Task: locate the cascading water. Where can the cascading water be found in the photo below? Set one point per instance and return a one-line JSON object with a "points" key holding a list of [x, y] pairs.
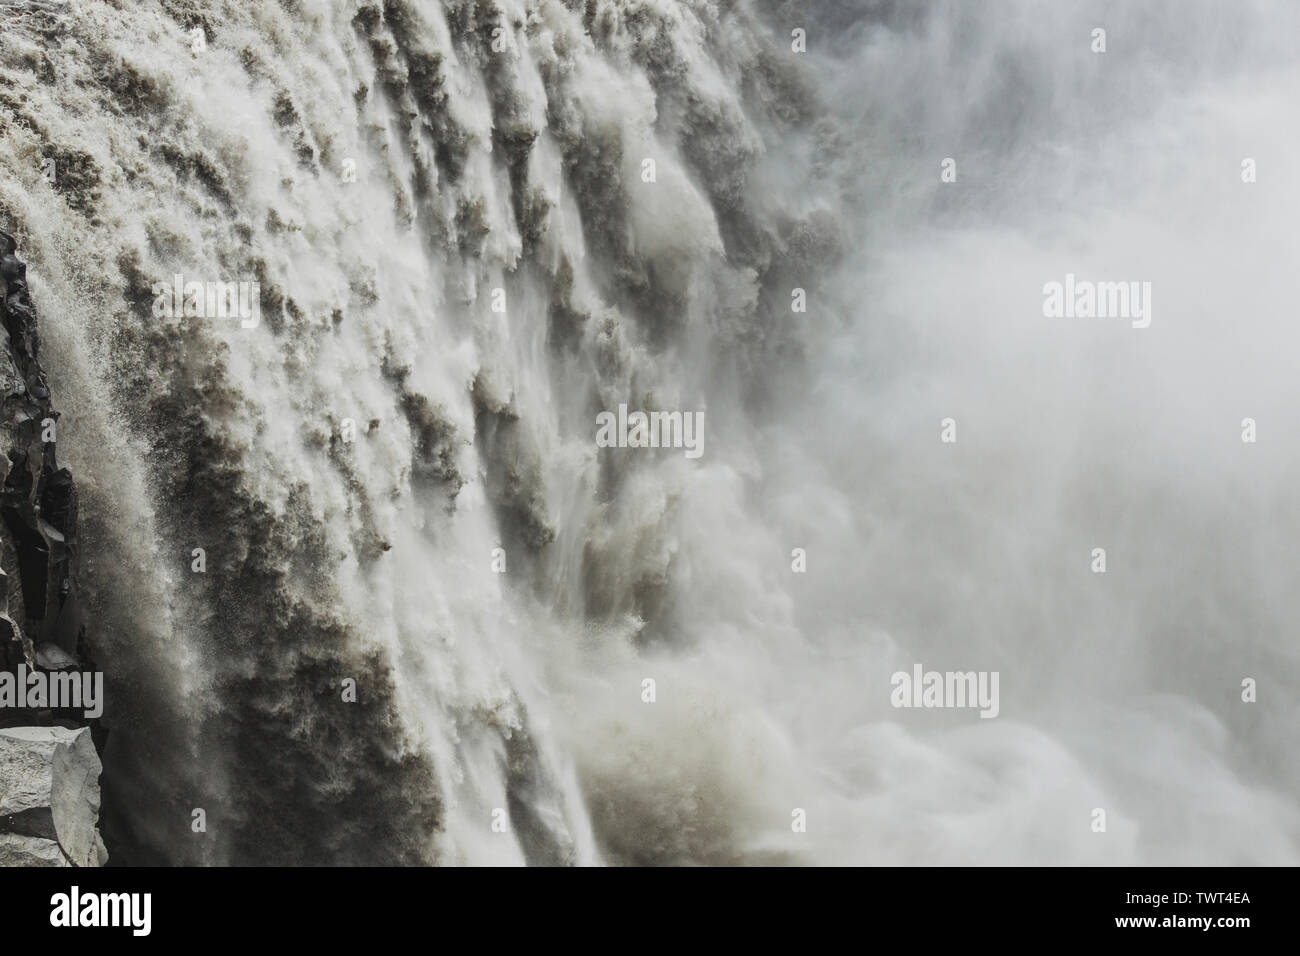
{"points": [[366, 589]]}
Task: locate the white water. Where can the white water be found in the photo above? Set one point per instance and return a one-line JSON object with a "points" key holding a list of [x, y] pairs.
{"points": [[523, 690]]}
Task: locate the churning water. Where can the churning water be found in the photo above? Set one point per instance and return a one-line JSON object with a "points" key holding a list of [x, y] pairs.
{"points": [[474, 226]]}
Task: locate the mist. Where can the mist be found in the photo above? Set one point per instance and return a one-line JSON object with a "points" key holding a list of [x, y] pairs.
{"points": [[570, 651]]}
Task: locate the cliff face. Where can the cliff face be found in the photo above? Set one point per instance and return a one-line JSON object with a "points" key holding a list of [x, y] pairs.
{"points": [[48, 772]]}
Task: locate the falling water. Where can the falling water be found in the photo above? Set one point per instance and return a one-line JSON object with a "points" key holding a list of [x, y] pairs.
{"points": [[477, 224]]}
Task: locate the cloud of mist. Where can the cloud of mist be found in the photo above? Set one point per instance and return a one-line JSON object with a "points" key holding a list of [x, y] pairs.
{"points": [[1120, 691]]}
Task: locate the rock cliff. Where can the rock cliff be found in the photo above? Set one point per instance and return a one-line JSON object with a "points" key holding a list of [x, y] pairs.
{"points": [[49, 769]]}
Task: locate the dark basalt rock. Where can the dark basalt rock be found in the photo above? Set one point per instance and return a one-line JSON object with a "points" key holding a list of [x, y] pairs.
{"points": [[40, 617]]}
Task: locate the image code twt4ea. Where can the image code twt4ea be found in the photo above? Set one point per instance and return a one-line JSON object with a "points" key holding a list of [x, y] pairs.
{"points": [[647, 433]]}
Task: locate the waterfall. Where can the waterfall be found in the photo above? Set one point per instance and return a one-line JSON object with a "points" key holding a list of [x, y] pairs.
{"points": [[333, 294]]}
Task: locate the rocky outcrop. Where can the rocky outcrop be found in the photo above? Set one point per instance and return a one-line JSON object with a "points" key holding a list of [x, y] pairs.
{"points": [[49, 775], [49, 798], [38, 500]]}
